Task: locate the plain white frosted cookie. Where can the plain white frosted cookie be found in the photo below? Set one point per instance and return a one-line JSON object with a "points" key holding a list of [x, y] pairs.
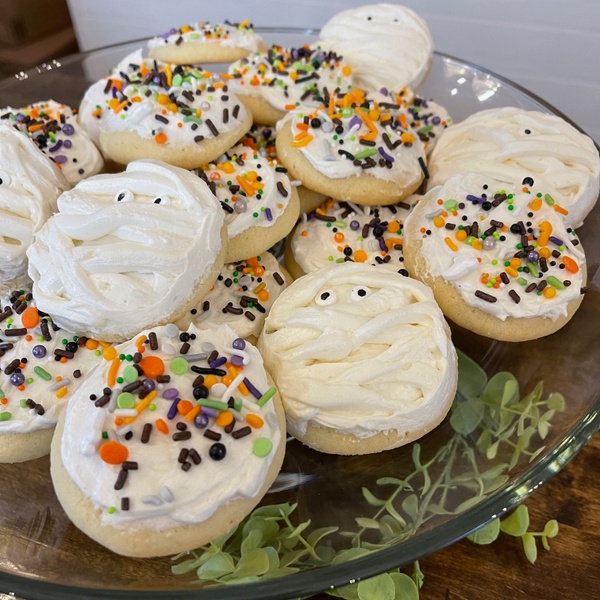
{"points": [[510, 144], [362, 359], [29, 185], [387, 45], [171, 447], [54, 128], [128, 250]]}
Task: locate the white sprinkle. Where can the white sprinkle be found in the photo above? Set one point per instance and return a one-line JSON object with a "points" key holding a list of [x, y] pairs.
{"points": [[154, 500], [218, 389], [166, 494], [125, 412], [58, 385], [168, 349], [124, 430], [171, 330], [295, 183], [201, 355]]}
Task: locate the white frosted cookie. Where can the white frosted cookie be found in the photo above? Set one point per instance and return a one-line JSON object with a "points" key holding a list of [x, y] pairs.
{"points": [[387, 45], [509, 144], [171, 447], [29, 186], [54, 128], [205, 42], [259, 203], [149, 109], [241, 296], [352, 150], [339, 232], [41, 366], [279, 79], [362, 359], [500, 260], [128, 250]]}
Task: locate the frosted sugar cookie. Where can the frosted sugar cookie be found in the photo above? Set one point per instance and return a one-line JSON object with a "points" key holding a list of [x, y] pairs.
{"points": [[149, 109], [173, 445], [54, 128], [352, 150], [339, 232], [241, 296], [206, 42], [29, 186], [128, 250], [271, 83], [500, 260], [362, 358], [387, 45], [509, 144], [259, 202], [41, 366]]}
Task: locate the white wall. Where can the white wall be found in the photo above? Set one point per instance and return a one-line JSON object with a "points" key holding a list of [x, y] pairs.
{"points": [[551, 47]]}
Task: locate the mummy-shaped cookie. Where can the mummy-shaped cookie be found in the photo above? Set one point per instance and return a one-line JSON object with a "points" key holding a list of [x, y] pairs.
{"points": [[352, 150], [171, 447], [509, 144], [271, 83], [29, 186], [260, 204], [128, 250], [499, 258], [387, 45], [339, 232], [149, 109], [362, 359], [205, 42], [54, 128], [41, 366]]}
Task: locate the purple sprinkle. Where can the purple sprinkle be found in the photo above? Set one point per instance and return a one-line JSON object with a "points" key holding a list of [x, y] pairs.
{"points": [[113, 90], [269, 214], [354, 225], [556, 240], [81, 171], [237, 361], [210, 412], [68, 144], [201, 420], [173, 410], [383, 91], [215, 364], [149, 384], [472, 198], [155, 80], [424, 103], [353, 121], [170, 394], [56, 146], [239, 344], [68, 129], [17, 379], [20, 117], [385, 155], [252, 389], [295, 54], [39, 351], [60, 159], [382, 245], [436, 120]]}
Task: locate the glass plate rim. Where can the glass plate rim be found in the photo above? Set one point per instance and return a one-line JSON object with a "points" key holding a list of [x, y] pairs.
{"points": [[332, 576]]}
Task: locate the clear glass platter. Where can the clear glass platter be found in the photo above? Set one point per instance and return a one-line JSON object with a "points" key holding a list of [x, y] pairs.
{"points": [[468, 478]]}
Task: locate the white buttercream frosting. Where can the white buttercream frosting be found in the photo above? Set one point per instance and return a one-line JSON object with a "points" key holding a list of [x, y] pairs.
{"points": [[53, 126], [387, 45], [250, 286], [160, 492], [366, 234], [126, 249], [486, 263], [29, 186], [510, 144], [360, 350], [41, 379]]}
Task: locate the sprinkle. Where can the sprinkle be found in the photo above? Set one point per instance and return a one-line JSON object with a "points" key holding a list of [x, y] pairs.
{"points": [[555, 283], [486, 297], [515, 297], [262, 400], [262, 447], [42, 373]]}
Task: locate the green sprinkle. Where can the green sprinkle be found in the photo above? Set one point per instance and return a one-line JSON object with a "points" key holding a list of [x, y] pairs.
{"points": [[177, 80], [5, 416], [450, 205], [330, 258], [340, 224], [105, 435], [364, 153], [179, 366], [522, 281], [152, 407], [64, 342], [216, 404], [23, 403], [98, 352], [192, 118], [194, 36], [237, 404], [42, 373], [111, 510], [549, 199], [121, 357], [120, 380], [510, 207], [262, 447], [125, 400], [532, 269], [266, 396], [30, 380], [130, 374], [2, 395], [555, 283], [129, 357], [425, 129]]}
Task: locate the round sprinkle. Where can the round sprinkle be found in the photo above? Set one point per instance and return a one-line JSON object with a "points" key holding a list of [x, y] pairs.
{"points": [[262, 447], [217, 451], [130, 374], [125, 400], [178, 366]]}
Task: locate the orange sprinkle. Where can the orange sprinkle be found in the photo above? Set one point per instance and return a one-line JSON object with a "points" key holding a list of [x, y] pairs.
{"points": [[560, 209], [141, 340], [172, 107], [545, 252], [360, 256], [512, 272], [35, 127], [339, 237], [28, 338], [515, 263], [302, 142], [346, 70], [30, 317], [439, 222], [160, 138], [549, 292], [63, 360], [223, 419], [393, 226], [243, 389], [290, 106], [570, 264], [111, 378], [62, 392], [104, 344], [184, 407], [4, 401], [113, 453], [254, 421], [250, 191], [407, 138], [263, 295], [163, 99], [118, 421], [193, 413], [210, 380], [153, 366], [477, 245], [109, 353], [451, 244], [535, 204], [161, 426], [21, 387]]}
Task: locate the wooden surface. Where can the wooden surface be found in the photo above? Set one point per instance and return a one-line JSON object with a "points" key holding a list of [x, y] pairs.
{"points": [[570, 571]]}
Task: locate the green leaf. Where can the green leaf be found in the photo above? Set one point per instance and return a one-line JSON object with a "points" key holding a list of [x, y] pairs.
{"points": [[251, 541], [391, 481], [467, 504], [551, 528], [556, 401], [487, 534], [418, 577], [471, 377], [501, 390], [296, 532], [517, 523], [466, 416], [391, 510], [410, 505], [404, 587], [350, 554], [348, 592], [367, 523], [530, 547], [268, 528], [380, 587], [217, 566], [492, 451], [389, 526], [292, 557], [273, 558], [274, 510], [371, 499], [318, 534], [255, 562]]}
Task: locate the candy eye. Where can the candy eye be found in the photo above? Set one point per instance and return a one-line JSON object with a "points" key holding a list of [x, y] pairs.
{"points": [[359, 293], [163, 200], [526, 132], [124, 196], [4, 178], [326, 298]]}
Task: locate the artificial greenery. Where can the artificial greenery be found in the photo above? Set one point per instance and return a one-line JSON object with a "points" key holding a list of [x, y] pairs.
{"points": [[490, 420]]}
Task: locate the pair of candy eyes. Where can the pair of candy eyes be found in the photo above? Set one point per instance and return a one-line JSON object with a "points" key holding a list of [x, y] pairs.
{"points": [[329, 296], [127, 196]]}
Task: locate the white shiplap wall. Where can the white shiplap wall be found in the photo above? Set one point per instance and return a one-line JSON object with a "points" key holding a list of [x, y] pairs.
{"points": [[551, 47]]}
